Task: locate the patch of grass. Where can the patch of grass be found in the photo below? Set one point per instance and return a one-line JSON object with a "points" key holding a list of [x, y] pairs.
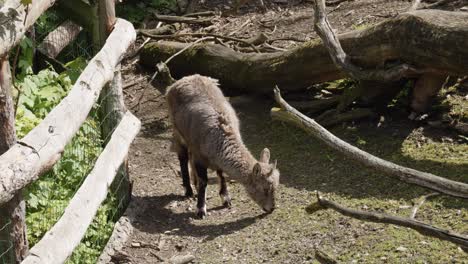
{"points": [[360, 26], [307, 164]]}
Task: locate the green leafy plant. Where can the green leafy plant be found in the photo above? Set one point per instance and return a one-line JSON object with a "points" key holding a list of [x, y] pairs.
{"points": [[48, 197]]}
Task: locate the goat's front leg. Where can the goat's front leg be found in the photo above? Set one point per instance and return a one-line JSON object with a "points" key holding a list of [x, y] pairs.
{"points": [[223, 191], [202, 174]]}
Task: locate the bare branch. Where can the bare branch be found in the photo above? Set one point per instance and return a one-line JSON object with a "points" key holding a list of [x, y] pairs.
{"points": [[415, 5], [420, 203], [343, 61], [421, 227], [289, 114]]}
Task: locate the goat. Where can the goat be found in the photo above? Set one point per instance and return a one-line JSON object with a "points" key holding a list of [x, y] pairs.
{"points": [[206, 134]]}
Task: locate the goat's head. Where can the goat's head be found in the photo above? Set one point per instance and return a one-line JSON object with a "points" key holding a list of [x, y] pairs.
{"points": [[263, 182]]}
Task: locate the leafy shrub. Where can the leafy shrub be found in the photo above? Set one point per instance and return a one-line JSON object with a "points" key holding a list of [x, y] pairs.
{"points": [[48, 197]]}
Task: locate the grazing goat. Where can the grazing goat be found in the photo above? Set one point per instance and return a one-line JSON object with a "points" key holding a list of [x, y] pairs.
{"points": [[206, 134]]}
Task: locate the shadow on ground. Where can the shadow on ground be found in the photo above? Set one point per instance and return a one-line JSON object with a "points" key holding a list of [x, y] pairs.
{"points": [[166, 221]]}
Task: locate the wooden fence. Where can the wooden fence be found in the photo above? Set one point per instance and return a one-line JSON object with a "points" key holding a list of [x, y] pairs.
{"points": [[27, 159]]}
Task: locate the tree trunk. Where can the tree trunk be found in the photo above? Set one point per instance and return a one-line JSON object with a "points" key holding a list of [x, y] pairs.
{"points": [[432, 40], [12, 214]]}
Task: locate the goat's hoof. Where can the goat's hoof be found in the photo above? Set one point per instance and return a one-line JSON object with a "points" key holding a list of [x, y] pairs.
{"points": [[189, 194], [201, 212], [227, 202]]}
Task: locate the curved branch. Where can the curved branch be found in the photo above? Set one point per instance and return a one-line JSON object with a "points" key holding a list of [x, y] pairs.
{"points": [[421, 227], [424, 179], [343, 61]]}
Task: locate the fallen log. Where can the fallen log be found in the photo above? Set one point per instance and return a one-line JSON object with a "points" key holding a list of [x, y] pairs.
{"points": [[425, 39], [58, 39], [424, 179], [419, 226]]}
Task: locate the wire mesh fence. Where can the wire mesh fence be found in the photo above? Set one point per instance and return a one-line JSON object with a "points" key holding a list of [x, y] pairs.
{"points": [[47, 198], [6, 246]]}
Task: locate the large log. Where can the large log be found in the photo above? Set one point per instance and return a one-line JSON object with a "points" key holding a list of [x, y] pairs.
{"points": [[60, 241], [15, 20], [426, 39], [58, 39], [42, 147]]}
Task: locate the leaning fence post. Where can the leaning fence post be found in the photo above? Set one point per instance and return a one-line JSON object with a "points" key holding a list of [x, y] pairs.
{"points": [[12, 214]]}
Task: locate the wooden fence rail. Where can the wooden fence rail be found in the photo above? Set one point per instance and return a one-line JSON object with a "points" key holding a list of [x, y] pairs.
{"points": [[60, 241], [39, 150]]}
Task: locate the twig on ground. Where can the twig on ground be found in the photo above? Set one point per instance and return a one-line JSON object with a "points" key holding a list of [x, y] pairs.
{"points": [[273, 47], [420, 202], [415, 5], [323, 257], [132, 83], [336, 2], [138, 50], [178, 53], [183, 19], [334, 9], [423, 228], [200, 14], [270, 41], [138, 103], [436, 4], [176, 36], [240, 28]]}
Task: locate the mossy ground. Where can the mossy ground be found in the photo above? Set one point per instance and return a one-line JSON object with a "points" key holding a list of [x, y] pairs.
{"points": [[291, 235]]}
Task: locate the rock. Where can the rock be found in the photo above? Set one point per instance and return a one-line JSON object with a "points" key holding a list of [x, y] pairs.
{"points": [[136, 244], [182, 259], [401, 249], [465, 9]]}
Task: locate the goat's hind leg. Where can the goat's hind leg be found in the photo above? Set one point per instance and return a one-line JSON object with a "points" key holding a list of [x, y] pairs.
{"points": [[202, 174], [182, 154], [223, 191], [193, 171]]}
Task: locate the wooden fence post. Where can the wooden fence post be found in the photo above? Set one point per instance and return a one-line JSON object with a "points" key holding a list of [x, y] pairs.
{"points": [[112, 99], [112, 102], [13, 213]]}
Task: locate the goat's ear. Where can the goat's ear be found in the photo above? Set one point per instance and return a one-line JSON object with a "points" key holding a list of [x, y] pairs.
{"points": [[274, 164], [257, 170], [265, 155]]}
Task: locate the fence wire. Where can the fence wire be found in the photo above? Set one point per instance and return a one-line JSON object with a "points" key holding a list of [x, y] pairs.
{"points": [[47, 198]]}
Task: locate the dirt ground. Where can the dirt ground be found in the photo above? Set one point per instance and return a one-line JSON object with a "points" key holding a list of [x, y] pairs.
{"points": [[165, 224]]}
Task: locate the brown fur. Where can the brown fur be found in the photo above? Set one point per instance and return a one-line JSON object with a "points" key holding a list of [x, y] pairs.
{"points": [[206, 124]]}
